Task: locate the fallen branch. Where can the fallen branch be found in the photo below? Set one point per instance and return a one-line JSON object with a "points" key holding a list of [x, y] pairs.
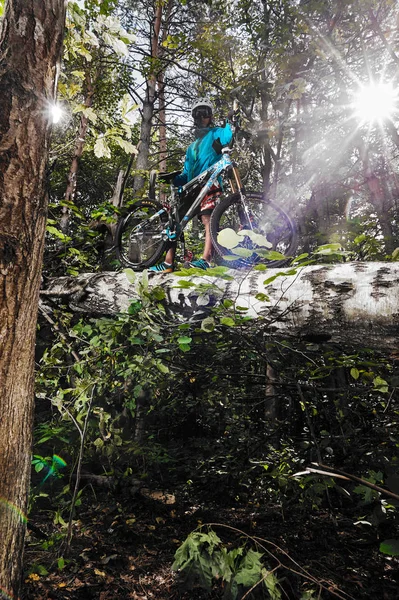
{"points": [[338, 474]]}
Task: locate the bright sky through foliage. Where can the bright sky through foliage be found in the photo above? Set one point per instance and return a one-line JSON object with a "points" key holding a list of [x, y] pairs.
{"points": [[376, 102]]}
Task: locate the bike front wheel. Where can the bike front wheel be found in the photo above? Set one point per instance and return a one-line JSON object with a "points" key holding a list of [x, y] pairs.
{"points": [[252, 231], [139, 237]]}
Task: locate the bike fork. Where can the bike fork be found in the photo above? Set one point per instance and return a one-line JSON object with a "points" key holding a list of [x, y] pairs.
{"points": [[244, 213], [236, 183]]}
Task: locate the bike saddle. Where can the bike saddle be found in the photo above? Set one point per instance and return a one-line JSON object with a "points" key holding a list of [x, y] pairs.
{"points": [[168, 177]]}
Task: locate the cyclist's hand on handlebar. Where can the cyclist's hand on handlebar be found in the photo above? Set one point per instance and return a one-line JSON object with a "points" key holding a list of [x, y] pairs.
{"points": [[233, 116]]}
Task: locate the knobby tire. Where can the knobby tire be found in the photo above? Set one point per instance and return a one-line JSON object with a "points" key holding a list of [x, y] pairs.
{"points": [[141, 248], [266, 218]]}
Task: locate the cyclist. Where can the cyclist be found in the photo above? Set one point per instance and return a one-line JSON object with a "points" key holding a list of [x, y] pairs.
{"points": [[200, 155]]}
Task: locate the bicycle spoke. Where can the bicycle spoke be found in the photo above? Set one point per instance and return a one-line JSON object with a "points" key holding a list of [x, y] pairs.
{"points": [[258, 231], [139, 237]]}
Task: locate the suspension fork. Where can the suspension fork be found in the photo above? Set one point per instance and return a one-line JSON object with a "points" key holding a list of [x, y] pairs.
{"points": [[236, 186]]}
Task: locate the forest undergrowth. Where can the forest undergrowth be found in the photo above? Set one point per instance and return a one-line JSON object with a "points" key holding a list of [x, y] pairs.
{"points": [[147, 433]]}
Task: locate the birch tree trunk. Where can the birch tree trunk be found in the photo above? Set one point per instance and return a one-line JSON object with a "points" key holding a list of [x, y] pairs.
{"points": [[356, 304], [30, 50]]}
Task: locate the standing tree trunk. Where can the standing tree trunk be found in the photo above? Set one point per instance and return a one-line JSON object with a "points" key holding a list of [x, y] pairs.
{"points": [[79, 147], [148, 104], [30, 50], [379, 199], [163, 142]]}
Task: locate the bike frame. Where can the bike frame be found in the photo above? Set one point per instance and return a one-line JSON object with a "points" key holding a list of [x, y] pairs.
{"points": [[214, 171], [176, 226]]}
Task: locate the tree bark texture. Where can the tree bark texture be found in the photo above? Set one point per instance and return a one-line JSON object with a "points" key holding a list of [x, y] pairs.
{"points": [[30, 49], [148, 104], [355, 304]]}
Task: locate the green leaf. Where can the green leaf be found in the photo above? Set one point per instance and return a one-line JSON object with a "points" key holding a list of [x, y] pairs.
{"points": [[185, 347], [39, 569], [229, 257], [130, 274], [228, 303], [328, 249], [262, 297], [355, 373], [184, 284], [308, 595], [101, 148], [87, 111], [390, 547], [270, 254], [80, 49], [208, 324], [271, 583], [195, 558], [158, 293], [58, 234], [380, 384], [162, 368], [128, 147], [228, 321], [250, 569], [243, 252], [280, 274], [256, 238], [228, 238], [184, 340], [301, 257], [79, 74]]}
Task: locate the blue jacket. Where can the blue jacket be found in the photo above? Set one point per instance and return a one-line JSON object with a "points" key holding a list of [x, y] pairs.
{"points": [[201, 155]]}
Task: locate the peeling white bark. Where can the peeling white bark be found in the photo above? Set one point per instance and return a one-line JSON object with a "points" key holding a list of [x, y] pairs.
{"points": [[352, 303]]}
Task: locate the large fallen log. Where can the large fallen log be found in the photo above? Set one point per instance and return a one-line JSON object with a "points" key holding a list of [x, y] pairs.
{"points": [[350, 303]]}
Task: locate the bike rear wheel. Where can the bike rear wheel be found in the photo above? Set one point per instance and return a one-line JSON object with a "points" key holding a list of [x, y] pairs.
{"points": [[257, 215], [138, 238]]}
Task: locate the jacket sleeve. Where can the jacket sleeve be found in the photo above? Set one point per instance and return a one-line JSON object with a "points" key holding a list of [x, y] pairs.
{"points": [[183, 177], [224, 134]]}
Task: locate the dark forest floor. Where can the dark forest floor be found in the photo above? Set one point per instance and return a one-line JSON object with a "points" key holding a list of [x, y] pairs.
{"points": [[123, 547]]}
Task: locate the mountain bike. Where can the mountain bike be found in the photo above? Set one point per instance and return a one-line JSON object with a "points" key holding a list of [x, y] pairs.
{"points": [[246, 228]]}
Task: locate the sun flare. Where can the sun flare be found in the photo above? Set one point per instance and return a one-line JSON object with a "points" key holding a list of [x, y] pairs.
{"points": [[375, 103], [56, 113]]}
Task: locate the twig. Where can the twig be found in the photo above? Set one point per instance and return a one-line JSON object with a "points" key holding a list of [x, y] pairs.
{"points": [[309, 422], [332, 472], [302, 572], [58, 330], [260, 581], [389, 401], [82, 433]]}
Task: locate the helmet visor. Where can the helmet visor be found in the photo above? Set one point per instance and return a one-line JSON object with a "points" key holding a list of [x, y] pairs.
{"points": [[202, 112]]}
